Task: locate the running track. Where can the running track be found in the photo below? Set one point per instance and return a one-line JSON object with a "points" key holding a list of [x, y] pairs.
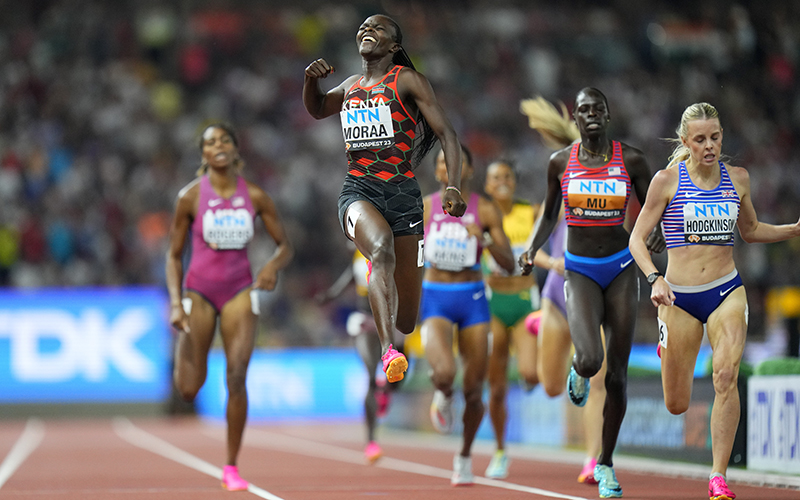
{"points": [[155, 459]]}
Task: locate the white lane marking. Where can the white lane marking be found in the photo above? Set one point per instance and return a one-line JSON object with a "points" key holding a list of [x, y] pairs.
{"points": [[28, 441], [125, 429], [282, 442]]}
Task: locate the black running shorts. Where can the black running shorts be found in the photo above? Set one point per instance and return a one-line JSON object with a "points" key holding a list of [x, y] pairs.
{"points": [[400, 203]]}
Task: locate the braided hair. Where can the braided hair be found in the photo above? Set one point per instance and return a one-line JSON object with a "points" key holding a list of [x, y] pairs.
{"points": [[427, 139]]}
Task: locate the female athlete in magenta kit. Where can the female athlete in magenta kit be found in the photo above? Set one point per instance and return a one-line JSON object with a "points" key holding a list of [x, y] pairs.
{"points": [[390, 120], [219, 208]]}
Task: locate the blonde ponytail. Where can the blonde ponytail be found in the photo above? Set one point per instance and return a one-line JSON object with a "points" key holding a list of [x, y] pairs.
{"points": [[556, 128]]}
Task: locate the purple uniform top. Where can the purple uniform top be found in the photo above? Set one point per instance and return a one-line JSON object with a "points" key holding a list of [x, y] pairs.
{"points": [[219, 267]]}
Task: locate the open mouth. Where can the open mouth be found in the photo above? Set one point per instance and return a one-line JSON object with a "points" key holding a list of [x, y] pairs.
{"points": [[368, 38]]}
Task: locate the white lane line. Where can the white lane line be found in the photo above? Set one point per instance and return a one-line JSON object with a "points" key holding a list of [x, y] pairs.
{"points": [[282, 442], [28, 441], [125, 429]]}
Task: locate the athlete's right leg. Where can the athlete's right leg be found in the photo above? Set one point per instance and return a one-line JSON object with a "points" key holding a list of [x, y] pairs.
{"points": [[473, 346], [437, 333], [238, 330], [585, 310], [369, 350], [374, 238], [408, 279], [554, 349], [498, 379], [191, 349], [684, 336]]}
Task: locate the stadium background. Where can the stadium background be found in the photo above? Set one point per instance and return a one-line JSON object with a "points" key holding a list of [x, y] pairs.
{"points": [[102, 103]]}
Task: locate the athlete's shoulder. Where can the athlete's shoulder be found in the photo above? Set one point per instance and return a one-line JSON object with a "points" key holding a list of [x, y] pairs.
{"points": [[738, 175], [630, 152], [665, 180], [191, 190]]}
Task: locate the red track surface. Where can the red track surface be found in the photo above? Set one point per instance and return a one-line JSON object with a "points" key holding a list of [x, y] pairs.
{"points": [[180, 459]]}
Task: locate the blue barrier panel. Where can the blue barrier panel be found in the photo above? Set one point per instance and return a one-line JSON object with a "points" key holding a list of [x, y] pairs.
{"points": [[84, 345], [289, 384]]}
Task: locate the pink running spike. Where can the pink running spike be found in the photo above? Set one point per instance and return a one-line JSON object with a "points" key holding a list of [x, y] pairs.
{"points": [[394, 364], [532, 322], [718, 489], [372, 452], [231, 480], [587, 474]]}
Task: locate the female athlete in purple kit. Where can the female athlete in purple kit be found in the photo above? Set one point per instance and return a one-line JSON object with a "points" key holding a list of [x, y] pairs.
{"points": [[219, 209]]}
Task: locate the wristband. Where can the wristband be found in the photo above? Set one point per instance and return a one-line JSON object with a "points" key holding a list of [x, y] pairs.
{"points": [[453, 188]]}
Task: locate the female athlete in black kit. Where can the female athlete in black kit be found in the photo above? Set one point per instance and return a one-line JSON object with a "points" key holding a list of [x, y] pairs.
{"points": [[593, 178], [390, 119]]}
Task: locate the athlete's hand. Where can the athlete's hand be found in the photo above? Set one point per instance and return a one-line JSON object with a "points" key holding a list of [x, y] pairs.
{"points": [[453, 203], [267, 278], [319, 69], [661, 294], [526, 262], [178, 318]]}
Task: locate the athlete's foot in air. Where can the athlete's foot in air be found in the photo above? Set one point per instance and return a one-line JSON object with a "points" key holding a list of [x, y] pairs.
{"points": [[394, 364]]}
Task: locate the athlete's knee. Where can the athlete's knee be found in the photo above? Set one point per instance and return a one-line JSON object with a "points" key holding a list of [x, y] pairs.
{"points": [[725, 378], [588, 364], [473, 397], [616, 381], [497, 393], [236, 379], [383, 253], [530, 376], [406, 325], [187, 389], [443, 375], [676, 406], [553, 388]]}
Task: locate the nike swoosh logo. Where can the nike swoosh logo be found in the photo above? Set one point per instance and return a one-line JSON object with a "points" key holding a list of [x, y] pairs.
{"points": [[412, 224], [477, 295], [214, 203], [575, 174], [692, 194], [625, 264], [722, 293]]}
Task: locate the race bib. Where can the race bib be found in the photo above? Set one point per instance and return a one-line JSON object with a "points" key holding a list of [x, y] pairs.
{"points": [[367, 127], [710, 223], [450, 247], [596, 198], [227, 228]]}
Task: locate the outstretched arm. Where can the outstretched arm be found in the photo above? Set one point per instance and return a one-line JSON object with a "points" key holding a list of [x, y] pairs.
{"points": [[751, 229]]}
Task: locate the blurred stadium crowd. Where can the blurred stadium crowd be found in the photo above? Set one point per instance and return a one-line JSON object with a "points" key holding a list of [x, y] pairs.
{"points": [[102, 103]]}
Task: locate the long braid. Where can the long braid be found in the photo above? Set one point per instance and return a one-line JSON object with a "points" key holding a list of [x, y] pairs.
{"points": [[426, 139]]}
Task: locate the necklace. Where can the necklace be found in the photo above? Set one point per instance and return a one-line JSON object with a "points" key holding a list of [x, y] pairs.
{"points": [[604, 155]]}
